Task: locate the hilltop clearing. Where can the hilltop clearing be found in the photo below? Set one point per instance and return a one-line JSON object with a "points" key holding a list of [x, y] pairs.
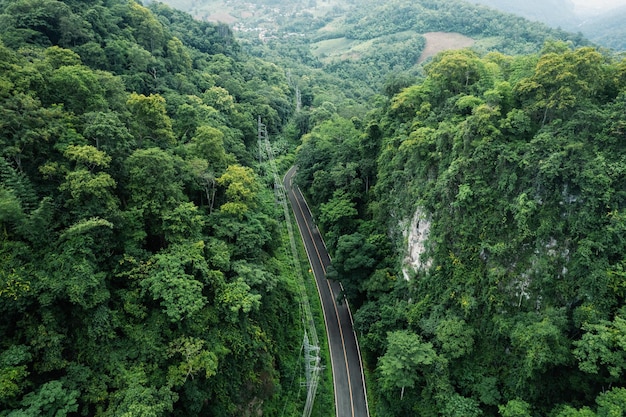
{"points": [[443, 41]]}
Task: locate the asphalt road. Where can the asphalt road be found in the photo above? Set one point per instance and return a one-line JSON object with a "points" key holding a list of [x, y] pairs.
{"points": [[350, 397]]}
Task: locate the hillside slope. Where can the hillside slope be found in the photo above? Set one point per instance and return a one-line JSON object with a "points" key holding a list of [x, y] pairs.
{"points": [[142, 271], [601, 22], [500, 184], [556, 13], [607, 29], [363, 41]]}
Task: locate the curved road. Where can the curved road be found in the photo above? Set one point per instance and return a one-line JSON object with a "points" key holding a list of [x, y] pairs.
{"points": [[350, 397]]}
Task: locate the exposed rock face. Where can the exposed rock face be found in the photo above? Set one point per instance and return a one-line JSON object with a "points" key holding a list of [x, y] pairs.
{"points": [[416, 235]]}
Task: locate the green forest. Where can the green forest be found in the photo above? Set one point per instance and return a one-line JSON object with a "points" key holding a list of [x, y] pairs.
{"points": [[515, 167], [142, 263], [474, 207], [386, 38]]}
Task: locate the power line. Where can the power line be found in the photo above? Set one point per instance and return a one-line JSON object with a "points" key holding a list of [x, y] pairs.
{"points": [[311, 341]]}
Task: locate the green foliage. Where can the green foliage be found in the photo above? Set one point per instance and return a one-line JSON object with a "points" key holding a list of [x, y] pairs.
{"points": [[569, 411], [241, 190], [361, 42], [456, 338], [13, 372], [137, 398], [330, 160], [513, 167], [195, 358], [458, 406], [405, 354], [603, 346], [515, 408], [178, 292], [43, 23], [337, 215], [52, 399], [455, 71], [123, 292], [612, 402], [151, 124], [354, 261], [77, 88], [562, 80], [541, 345], [141, 263], [236, 297]]}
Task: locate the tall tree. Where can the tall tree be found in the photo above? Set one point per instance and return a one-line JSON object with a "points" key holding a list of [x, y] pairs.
{"points": [[399, 366]]}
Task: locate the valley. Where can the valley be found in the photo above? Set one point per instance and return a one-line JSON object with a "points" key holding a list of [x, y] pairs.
{"points": [[465, 167]]}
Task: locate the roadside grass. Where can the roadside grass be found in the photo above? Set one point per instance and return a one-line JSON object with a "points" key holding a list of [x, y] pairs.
{"points": [[324, 405]]}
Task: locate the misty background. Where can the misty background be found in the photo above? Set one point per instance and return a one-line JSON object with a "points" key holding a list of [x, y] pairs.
{"points": [[601, 21]]}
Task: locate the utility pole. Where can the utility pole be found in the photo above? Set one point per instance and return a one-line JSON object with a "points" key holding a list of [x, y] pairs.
{"points": [[298, 99], [312, 369], [262, 138], [295, 86]]}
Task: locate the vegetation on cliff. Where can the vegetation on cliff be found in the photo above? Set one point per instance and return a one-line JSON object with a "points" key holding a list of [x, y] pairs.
{"points": [[517, 165]]}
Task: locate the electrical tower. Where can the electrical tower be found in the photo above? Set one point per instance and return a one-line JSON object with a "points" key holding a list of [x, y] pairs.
{"points": [[311, 342]]}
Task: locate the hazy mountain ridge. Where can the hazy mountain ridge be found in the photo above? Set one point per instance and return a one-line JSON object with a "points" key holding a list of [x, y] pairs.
{"points": [[601, 22], [553, 12], [607, 29]]}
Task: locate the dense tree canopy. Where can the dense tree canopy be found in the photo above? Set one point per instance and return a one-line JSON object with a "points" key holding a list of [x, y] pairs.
{"points": [[142, 266], [126, 197], [516, 167]]}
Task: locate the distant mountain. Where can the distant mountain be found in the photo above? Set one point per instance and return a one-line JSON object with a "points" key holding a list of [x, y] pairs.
{"points": [[556, 13], [606, 29]]}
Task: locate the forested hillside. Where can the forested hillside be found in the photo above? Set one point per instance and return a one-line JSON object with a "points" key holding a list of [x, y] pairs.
{"points": [[556, 13], [357, 44], [141, 266], [599, 21], [387, 37], [607, 29], [474, 208], [476, 222]]}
